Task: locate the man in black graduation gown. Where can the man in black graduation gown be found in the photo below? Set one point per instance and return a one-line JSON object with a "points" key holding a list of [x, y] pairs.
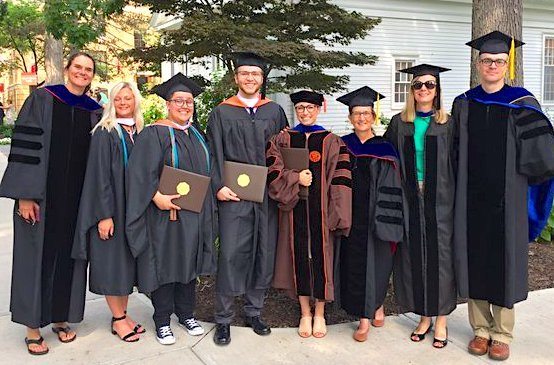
{"points": [[238, 130], [505, 143]]}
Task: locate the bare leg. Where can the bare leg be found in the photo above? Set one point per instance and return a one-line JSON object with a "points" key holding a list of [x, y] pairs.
{"points": [[440, 330], [118, 308], [320, 328], [305, 326]]}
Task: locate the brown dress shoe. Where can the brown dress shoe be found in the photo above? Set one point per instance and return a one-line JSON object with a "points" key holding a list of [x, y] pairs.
{"points": [[499, 350], [478, 346]]}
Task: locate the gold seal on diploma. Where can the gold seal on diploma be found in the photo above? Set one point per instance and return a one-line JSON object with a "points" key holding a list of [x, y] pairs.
{"points": [[183, 188], [243, 180]]}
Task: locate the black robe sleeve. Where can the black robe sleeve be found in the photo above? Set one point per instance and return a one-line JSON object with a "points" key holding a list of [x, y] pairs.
{"points": [[388, 211], [215, 140], [98, 196], [535, 142], [25, 174], [143, 175]]}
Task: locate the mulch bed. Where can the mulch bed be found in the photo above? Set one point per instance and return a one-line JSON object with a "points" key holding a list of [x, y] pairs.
{"points": [[282, 311]]}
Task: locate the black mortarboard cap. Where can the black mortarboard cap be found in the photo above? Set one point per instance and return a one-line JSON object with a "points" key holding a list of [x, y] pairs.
{"points": [[250, 59], [364, 96], [424, 69], [494, 43], [307, 96], [178, 82]]}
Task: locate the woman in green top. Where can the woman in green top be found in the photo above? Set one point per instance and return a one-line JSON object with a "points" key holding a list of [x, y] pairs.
{"points": [[423, 134]]}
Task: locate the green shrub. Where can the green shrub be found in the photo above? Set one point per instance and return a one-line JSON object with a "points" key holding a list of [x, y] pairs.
{"points": [[6, 130], [547, 233], [153, 108]]}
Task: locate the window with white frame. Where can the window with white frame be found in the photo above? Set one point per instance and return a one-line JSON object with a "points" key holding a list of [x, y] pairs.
{"points": [[548, 82], [402, 81]]}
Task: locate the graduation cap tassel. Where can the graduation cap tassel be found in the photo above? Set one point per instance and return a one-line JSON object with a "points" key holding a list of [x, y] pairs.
{"points": [[378, 110], [512, 60]]}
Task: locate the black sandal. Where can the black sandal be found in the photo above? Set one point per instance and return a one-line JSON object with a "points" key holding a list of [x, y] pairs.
{"points": [[421, 336], [137, 326], [66, 329], [444, 342], [128, 335], [39, 341]]}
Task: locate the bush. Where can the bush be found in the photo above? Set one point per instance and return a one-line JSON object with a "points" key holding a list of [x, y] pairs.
{"points": [[218, 89], [547, 233], [6, 130], [153, 108]]}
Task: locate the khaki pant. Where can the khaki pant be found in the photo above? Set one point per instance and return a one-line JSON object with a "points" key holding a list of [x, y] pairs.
{"points": [[498, 325]]}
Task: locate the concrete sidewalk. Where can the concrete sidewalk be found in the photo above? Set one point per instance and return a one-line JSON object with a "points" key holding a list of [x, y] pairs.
{"points": [[534, 342], [534, 332]]}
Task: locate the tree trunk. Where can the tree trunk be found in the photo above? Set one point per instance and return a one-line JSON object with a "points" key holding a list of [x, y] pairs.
{"points": [[503, 15], [53, 60]]}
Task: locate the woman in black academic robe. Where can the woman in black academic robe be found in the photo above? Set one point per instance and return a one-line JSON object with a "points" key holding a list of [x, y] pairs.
{"points": [[365, 257], [100, 236], [424, 279], [170, 254], [45, 180]]}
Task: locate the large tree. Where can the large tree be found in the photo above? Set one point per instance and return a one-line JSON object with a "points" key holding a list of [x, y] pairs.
{"points": [[21, 31], [75, 23], [303, 38], [503, 15]]}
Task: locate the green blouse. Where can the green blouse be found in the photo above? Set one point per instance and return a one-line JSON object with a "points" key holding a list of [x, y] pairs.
{"points": [[420, 124]]}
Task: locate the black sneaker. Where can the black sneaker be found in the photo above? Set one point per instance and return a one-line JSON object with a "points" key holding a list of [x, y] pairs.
{"points": [[164, 335], [192, 326]]}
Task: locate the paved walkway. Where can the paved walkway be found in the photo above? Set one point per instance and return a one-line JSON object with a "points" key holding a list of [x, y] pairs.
{"points": [[534, 343]]}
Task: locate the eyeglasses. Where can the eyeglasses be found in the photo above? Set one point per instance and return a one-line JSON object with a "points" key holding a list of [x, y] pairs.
{"points": [[488, 62], [365, 114], [255, 74], [182, 102], [430, 85], [301, 108]]}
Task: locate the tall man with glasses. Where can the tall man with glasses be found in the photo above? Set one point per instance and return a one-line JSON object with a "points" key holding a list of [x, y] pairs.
{"points": [[239, 130], [506, 143]]}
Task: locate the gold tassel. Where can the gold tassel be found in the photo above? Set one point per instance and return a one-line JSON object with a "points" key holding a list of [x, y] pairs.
{"points": [[378, 110], [512, 60]]}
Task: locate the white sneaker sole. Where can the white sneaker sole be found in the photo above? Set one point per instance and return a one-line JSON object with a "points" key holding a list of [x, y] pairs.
{"points": [[166, 340]]}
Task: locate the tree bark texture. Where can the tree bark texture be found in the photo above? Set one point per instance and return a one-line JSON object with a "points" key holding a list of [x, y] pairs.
{"points": [[503, 15], [53, 60]]}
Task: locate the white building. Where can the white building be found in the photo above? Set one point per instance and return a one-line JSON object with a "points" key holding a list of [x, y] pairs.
{"points": [[422, 31]]}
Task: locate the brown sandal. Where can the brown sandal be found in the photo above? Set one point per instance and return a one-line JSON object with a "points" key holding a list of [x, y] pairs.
{"points": [[66, 330], [39, 341]]}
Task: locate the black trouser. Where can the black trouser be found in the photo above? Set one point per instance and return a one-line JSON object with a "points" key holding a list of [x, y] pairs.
{"points": [[172, 298]]}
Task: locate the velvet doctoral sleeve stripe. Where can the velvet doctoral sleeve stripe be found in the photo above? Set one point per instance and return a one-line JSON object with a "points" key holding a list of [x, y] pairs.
{"points": [[535, 143], [389, 208], [25, 175]]}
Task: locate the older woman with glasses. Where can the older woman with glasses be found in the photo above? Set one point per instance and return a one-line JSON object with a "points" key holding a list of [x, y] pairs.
{"points": [[424, 136]]}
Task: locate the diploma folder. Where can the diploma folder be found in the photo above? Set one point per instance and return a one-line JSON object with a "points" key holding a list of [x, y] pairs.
{"points": [[245, 180], [192, 187], [296, 159]]}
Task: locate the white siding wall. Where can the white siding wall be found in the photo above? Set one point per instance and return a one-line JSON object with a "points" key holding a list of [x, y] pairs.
{"points": [[428, 31]]}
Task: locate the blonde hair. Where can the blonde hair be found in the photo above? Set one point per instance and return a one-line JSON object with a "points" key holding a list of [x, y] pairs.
{"points": [[109, 117], [409, 112]]}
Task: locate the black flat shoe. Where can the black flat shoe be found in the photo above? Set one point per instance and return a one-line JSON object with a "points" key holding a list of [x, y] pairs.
{"points": [[420, 336], [222, 334], [440, 344], [258, 325]]}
